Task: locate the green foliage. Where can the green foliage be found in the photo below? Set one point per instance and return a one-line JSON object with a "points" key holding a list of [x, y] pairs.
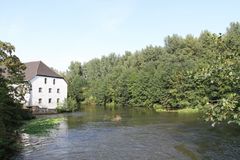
{"points": [[188, 72], [76, 88], [40, 126], [218, 81], [69, 105], [160, 108], [12, 90]]}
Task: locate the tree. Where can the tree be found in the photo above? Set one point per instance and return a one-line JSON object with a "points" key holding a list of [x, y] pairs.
{"points": [[198, 72], [218, 82], [77, 83], [12, 90]]}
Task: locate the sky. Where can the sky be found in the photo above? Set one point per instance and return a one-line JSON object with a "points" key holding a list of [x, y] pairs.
{"points": [[60, 31]]}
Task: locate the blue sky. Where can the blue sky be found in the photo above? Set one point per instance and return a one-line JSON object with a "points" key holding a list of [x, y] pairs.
{"points": [[60, 31]]}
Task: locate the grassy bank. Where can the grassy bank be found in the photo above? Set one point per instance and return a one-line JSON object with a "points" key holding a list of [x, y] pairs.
{"points": [[159, 108], [41, 126]]}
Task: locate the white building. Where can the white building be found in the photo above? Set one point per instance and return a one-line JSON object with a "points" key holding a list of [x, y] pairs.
{"points": [[47, 88]]}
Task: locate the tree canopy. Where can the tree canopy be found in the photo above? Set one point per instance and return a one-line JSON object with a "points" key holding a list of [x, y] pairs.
{"points": [[198, 72], [12, 90]]}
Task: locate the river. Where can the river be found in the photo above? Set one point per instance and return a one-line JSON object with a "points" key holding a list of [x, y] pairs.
{"points": [[141, 134]]}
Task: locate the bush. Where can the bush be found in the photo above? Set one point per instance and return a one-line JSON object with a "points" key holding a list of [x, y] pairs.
{"points": [[69, 105]]}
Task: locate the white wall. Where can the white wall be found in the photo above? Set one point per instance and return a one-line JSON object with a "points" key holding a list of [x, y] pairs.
{"points": [[38, 82]]}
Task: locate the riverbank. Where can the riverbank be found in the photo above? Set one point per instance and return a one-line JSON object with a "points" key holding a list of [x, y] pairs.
{"points": [[182, 110]]}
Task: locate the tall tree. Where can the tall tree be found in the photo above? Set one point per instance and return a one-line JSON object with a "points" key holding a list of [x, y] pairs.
{"points": [[12, 90], [198, 72]]}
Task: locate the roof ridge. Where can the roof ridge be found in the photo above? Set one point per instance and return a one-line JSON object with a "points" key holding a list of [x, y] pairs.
{"points": [[31, 61]]}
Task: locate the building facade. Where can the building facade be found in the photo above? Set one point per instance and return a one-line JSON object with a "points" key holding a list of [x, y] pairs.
{"points": [[47, 88]]}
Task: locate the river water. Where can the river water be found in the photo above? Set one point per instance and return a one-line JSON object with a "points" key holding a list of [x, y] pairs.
{"points": [[141, 134]]}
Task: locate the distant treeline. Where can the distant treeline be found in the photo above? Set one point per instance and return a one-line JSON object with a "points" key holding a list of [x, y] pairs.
{"points": [[198, 72]]}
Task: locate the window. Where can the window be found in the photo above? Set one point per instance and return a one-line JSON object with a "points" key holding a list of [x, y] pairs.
{"points": [[39, 100], [49, 90], [58, 100], [40, 90], [50, 100], [54, 81], [58, 90], [45, 80]]}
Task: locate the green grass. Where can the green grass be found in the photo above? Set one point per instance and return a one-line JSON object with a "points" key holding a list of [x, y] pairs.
{"points": [[41, 126], [188, 110], [159, 108]]}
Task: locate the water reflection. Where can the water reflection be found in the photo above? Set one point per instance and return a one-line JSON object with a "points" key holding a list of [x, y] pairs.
{"points": [[141, 134]]}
